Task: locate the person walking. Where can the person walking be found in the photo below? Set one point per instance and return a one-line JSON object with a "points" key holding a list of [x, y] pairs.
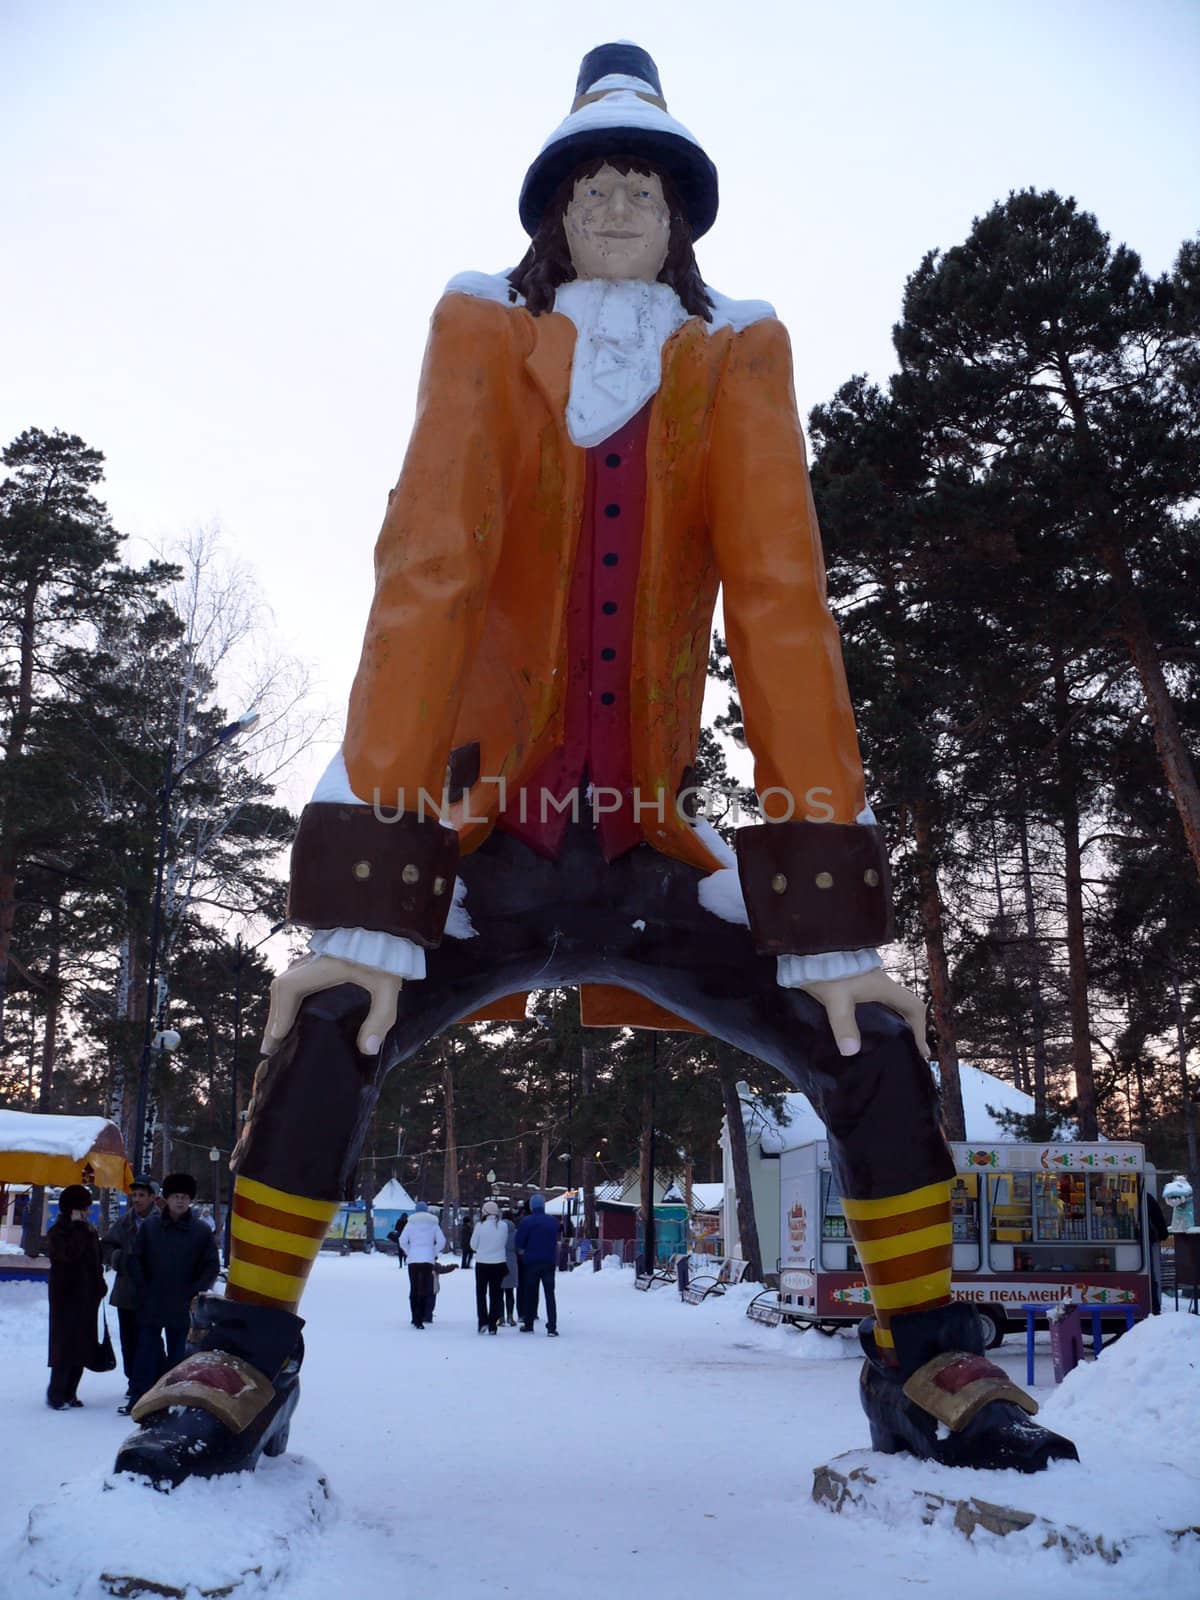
{"points": [[76, 1290], [422, 1242], [512, 1277], [174, 1258], [537, 1249], [465, 1232], [489, 1242], [117, 1249]]}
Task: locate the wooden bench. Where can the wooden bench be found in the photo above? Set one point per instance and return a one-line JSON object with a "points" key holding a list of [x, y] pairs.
{"points": [[728, 1271]]}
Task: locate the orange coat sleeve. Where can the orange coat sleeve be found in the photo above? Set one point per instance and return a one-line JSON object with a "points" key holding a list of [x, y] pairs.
{"points": [[435, 556], [783, 641]]}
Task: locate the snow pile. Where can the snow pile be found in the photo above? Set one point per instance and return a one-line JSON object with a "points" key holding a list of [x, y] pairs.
{"points": [[981, 1090], [33, 1133], [189, 1541], [1150, 1378], [799, 1123]]}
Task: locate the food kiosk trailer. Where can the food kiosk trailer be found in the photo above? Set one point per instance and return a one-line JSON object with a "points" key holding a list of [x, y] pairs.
{"points": [[1033, 1225]]}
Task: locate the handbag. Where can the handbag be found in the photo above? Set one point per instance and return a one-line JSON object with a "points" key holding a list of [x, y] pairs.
{"points": [[103, 1358]]}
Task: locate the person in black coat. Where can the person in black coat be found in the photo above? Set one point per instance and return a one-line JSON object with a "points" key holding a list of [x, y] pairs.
{"points": [[117, 1247], [174, 1258], [76, 1290]]}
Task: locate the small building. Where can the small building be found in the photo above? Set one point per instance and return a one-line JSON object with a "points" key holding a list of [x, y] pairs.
{"points": [[767, 1136]]}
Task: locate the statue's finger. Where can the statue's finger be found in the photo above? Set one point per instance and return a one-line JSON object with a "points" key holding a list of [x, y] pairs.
{"points": [[285, 1003], [839, 1008], [381, 1018]]}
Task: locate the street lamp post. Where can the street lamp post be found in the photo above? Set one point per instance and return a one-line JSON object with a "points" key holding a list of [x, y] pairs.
{"points": [[165, 795]]}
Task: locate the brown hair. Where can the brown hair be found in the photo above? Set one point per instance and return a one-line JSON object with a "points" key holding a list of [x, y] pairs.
{"points": [[547, 262]]}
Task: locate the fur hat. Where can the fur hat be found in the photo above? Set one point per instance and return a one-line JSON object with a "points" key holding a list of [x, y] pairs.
{"points": [[619, 110], [537, 1202], [490, 1209], [179, 1183], [74, 1198]]}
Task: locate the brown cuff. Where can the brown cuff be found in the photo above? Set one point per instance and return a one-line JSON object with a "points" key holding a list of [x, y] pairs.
{"points": [[810, 887], [350, 869], [214, 1380], [955, 1386]]}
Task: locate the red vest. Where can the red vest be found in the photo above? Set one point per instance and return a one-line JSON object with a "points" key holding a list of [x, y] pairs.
{"points": [[596, 735]]}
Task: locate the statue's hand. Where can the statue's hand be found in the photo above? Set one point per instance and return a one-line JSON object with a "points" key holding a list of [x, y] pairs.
{"points": [[315, 973], [839, 996]]}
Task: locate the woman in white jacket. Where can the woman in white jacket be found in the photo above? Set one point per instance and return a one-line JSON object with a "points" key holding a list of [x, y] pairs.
{"points": [[490, 1244], [422, 1242]]}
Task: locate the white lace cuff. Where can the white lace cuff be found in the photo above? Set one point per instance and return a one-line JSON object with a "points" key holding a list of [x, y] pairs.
{"points": [[385, 952], [794, 971]]}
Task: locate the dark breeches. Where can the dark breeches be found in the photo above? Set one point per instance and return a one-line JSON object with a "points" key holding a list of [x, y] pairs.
{"points": [[544, 924]]}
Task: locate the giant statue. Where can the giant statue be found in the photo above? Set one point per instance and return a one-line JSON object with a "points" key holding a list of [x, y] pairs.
{"points": [[601, 442]]}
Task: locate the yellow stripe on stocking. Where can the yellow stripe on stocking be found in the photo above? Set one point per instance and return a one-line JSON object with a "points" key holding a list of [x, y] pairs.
{"points": [[905, 1243], [274, 1239]]}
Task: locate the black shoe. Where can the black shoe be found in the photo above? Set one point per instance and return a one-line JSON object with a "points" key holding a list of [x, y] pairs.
{"points": [[73, 1401], [527, 1327], [483, 1328], [59, 1405], [552, 1333], [492, 1330], [944, 1377], [252, 1353]]}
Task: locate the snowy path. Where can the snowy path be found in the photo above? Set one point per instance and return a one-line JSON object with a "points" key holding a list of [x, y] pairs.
{"points": [[654, 1450]]}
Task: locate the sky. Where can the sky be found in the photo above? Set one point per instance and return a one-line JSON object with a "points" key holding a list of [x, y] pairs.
{"points": [[223, 226]]}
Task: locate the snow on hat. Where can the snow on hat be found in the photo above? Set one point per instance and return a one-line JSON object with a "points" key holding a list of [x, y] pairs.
{"points": [[74, 1198], [619, 110], [420, 1206], [179, 1183], [490, 1209], [537, 1202]]}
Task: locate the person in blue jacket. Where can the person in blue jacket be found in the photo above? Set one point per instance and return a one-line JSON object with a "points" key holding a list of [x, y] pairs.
{"points": [[537, 1251]]}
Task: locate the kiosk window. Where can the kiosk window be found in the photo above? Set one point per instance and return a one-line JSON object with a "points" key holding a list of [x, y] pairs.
{"points": [[964, 1208], [1060, 1209], [1062, 1221], [1114, 1206], [1012, 1209], [833, 1218]]}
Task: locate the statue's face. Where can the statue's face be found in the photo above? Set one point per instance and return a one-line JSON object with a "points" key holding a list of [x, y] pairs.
{"points": [[618, 225]]}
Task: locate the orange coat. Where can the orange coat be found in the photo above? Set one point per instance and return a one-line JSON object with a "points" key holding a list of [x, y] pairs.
{"points": [[466, 639]]}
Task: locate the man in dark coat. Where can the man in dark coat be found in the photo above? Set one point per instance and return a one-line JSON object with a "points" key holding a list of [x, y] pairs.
{"points": [[76, 1290], [174, 1258], [537, 1251], [117, 1246]]}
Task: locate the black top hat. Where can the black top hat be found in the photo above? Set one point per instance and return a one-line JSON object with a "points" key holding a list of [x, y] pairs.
{"points": [[619, 111]]}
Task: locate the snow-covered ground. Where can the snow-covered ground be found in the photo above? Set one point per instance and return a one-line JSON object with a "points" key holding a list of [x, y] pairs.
{"points": [[654, 1449]]}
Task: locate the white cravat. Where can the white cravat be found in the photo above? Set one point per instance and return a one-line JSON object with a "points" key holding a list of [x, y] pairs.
{"points": [[621, 327]]}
